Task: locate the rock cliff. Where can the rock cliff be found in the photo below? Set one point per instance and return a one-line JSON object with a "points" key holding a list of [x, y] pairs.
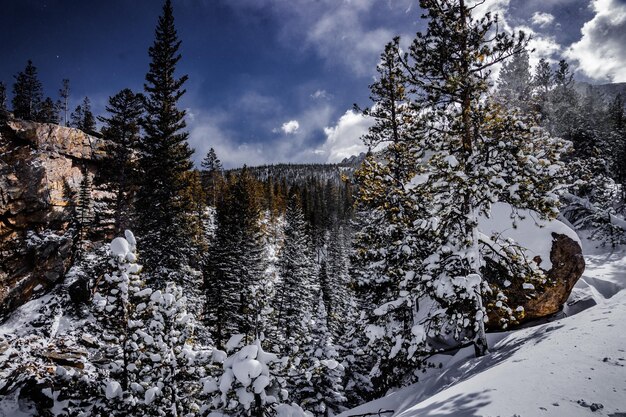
{"points": [[40, 165]]}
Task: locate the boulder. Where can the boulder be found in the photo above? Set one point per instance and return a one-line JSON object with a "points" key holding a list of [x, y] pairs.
{"points": [[568, 266], [550, 244]]}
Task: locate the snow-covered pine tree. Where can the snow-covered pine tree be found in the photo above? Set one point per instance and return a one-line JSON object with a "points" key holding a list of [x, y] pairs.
{"points": [[248, 385], [165, 160], [515, 83], [146, 336], [334, 280], [235, 289], [477, 154], [112, 309], [294, 295], [320, 390], [386, 251], [121, 127]]}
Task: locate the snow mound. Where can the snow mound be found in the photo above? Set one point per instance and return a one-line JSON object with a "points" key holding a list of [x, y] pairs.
{"points": [[119, 247], [527, 229]]}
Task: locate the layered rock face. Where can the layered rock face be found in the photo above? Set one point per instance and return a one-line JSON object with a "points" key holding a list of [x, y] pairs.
{"points": [[40, 165]]}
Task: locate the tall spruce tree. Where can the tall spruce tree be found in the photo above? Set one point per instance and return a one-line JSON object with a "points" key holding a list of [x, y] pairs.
{"points": [[27, 93], [295, 267], [122, 128], [212, 175], [385, 247], [82, 118], [49, 112], [64, 102], [166, 154], [478, 154], [234, 276]]}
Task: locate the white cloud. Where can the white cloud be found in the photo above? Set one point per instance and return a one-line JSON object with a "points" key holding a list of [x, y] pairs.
{"points": [[600, 52], [209, 128], [290, 127], [342, 32], [344, 139], [206, 131], [320, 95], [542, 19]]}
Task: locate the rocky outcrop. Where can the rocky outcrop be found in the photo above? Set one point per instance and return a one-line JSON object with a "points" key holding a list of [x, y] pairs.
{"points": [[40, 165], [568, 266]]}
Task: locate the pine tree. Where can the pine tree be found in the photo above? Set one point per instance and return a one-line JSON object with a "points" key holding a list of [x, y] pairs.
{"points": [[479, 154], [212, 175], [122, 128], [112, 308], [386, 250], [321, 390], [166, 154], [335, 286], [515, 83], [84, 210], [3, 100], [295, 268], [49, 112], [82, 118], [235, 289], [27, 93], [146, 331], [248, 384], [64, 102]]}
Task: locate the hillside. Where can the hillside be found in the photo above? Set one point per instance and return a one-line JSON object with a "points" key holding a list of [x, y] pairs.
{"points": [[572, 366]]}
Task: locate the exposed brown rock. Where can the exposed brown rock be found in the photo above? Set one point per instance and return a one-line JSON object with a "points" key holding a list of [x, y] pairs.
{"points": [[39, 163], [72, 359], [568, 266]]}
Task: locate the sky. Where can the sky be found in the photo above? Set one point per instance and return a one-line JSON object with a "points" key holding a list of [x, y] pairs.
{"points": [[274, 80]]}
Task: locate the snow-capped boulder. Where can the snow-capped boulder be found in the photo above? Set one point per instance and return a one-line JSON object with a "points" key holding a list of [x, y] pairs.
{"points": [[550, 244], [568, 266]]}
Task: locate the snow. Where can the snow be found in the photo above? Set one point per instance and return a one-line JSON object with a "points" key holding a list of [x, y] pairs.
{"points": [[234, 341], [290, 410], [246, 370], [555, 369], [527, 229], [130, 237], [119, 247]]}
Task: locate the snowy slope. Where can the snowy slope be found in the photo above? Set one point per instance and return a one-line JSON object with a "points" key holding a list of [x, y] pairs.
{"points": [[560, 368]]}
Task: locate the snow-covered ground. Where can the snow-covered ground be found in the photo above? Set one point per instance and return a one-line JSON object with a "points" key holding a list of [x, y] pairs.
{"points": [[573, 366]]}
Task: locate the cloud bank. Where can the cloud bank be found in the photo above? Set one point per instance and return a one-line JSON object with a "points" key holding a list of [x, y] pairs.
{"points": [[600, 52]]}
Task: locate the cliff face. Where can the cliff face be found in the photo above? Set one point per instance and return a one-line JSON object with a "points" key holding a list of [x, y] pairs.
{"points": [[40, 165]]}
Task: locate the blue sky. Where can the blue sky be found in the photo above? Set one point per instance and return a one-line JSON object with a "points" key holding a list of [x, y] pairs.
{"points": [[273, 80]]}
